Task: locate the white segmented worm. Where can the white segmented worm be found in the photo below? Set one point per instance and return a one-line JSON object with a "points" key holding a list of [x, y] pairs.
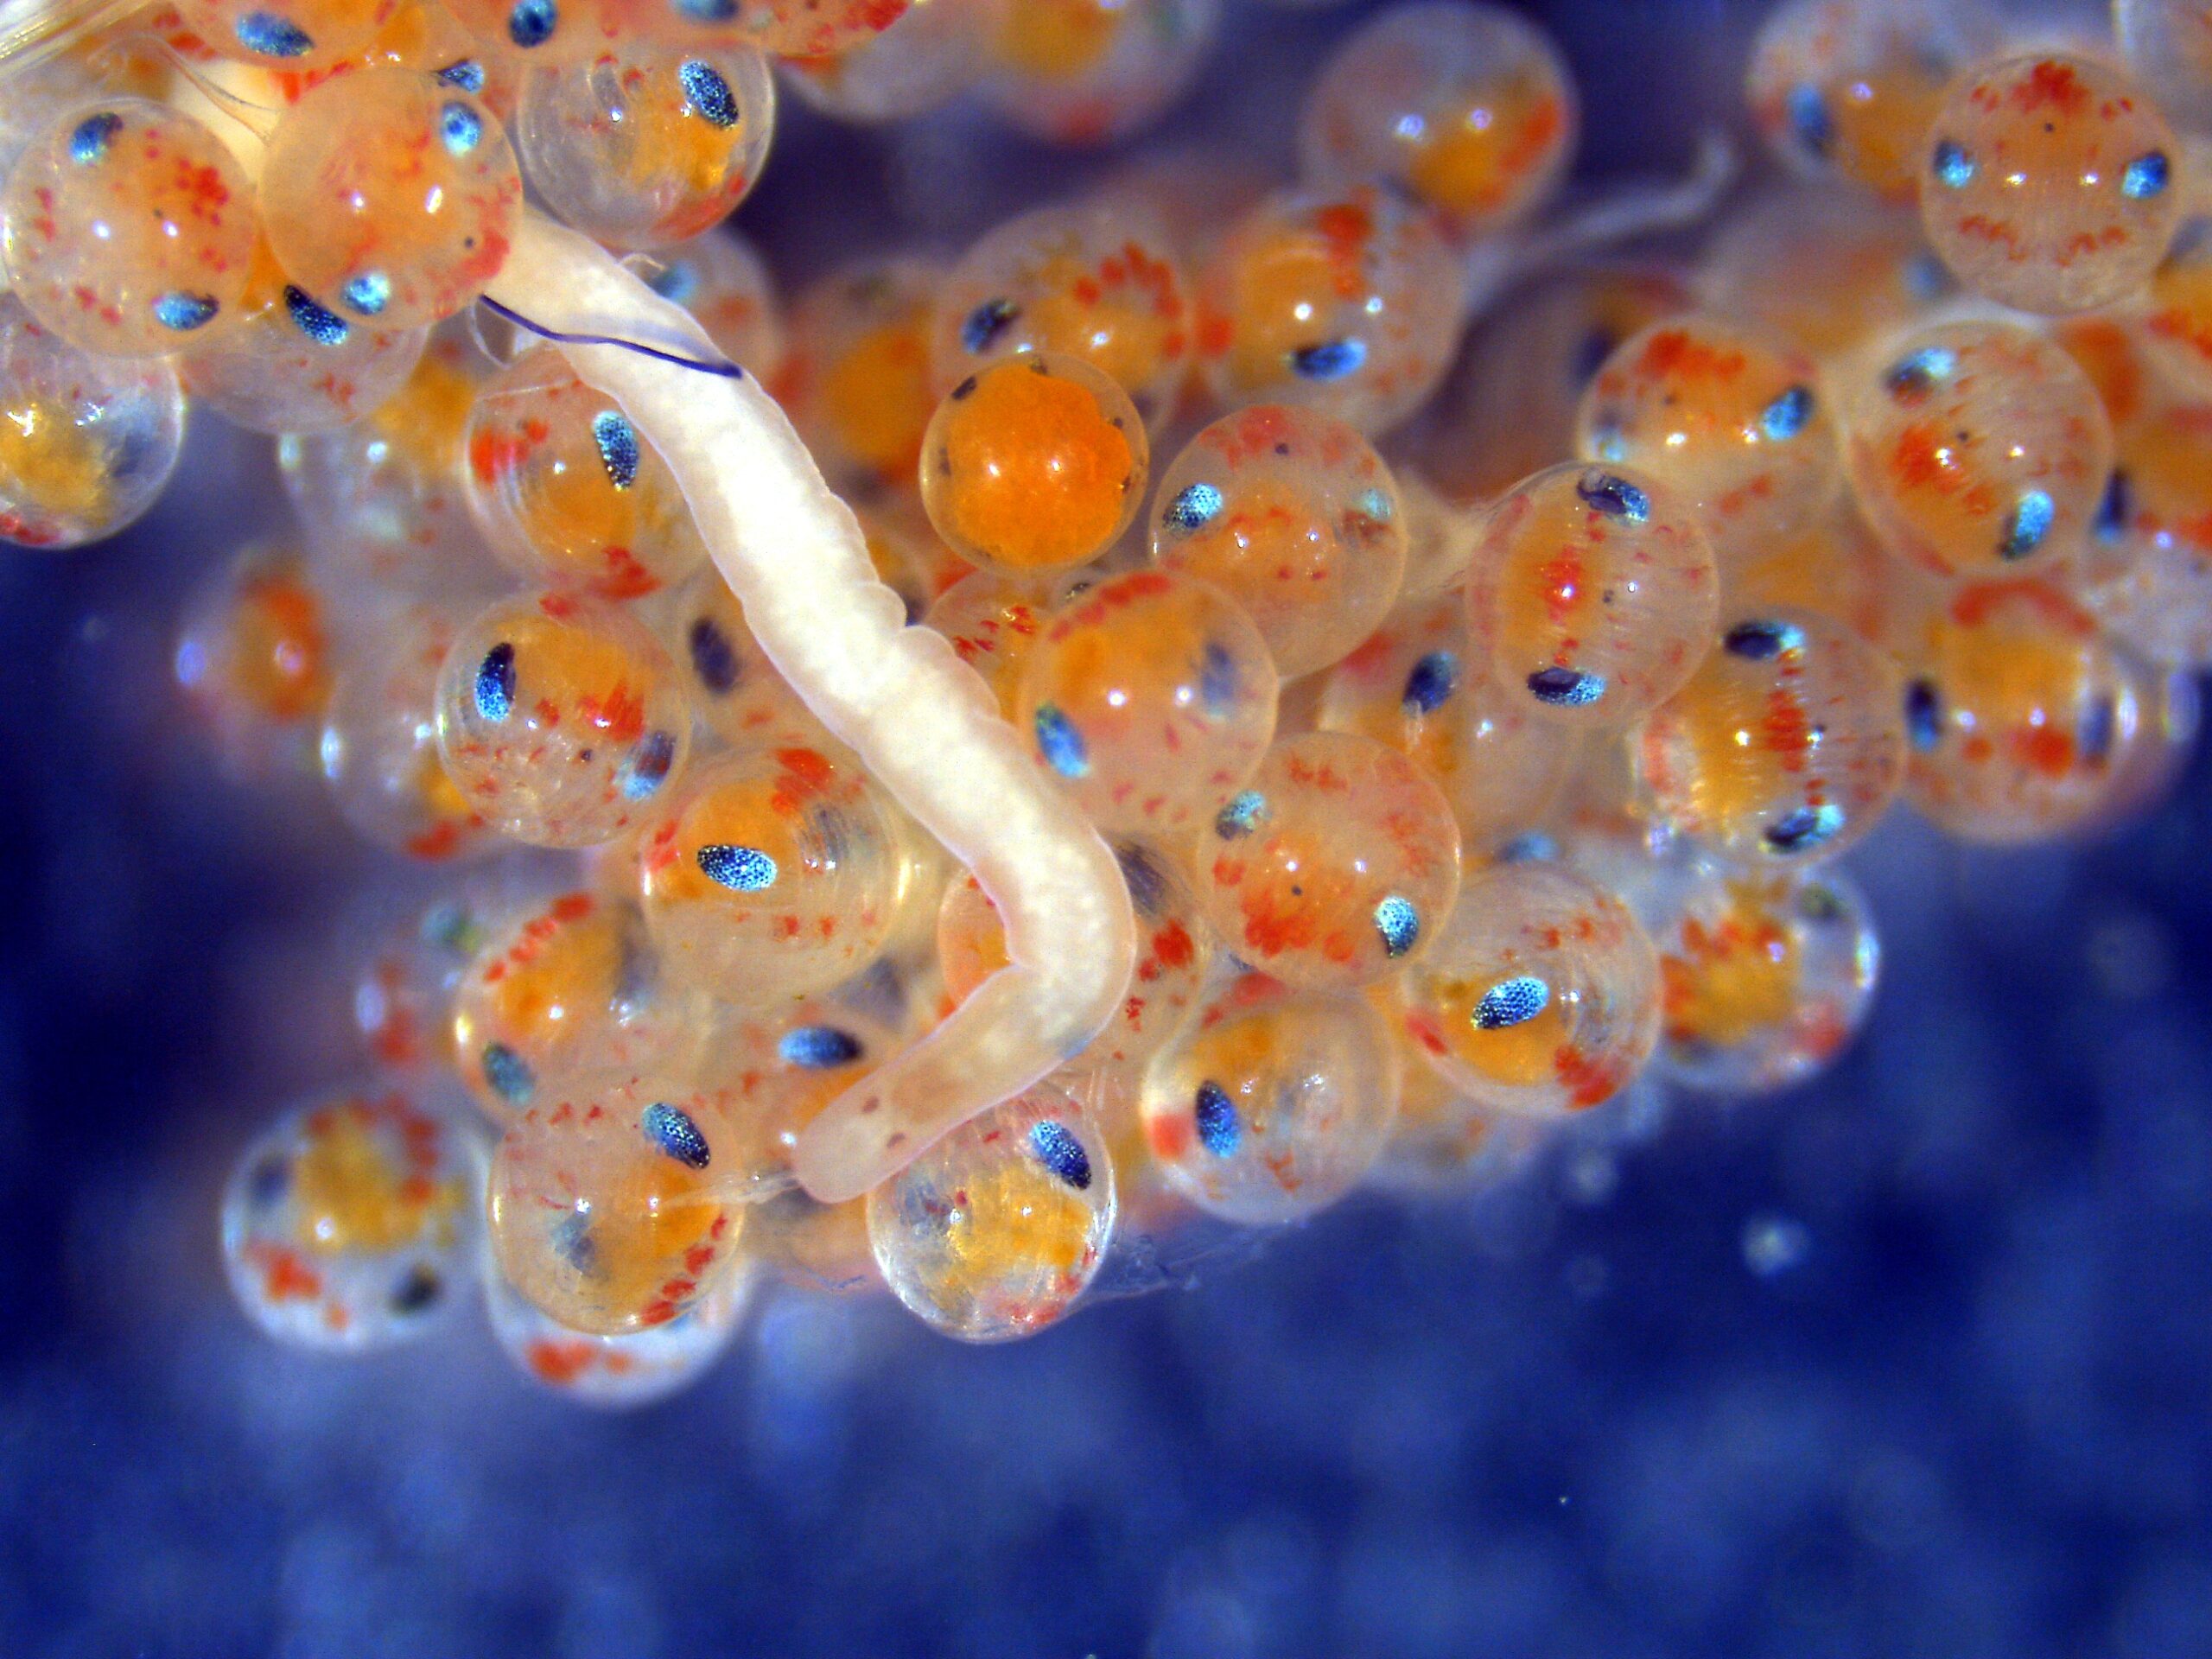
{"points": [[923, 721]]}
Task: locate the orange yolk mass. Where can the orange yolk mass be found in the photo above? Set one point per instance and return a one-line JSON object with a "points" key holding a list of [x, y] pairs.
{"points": [[1030, 472]]}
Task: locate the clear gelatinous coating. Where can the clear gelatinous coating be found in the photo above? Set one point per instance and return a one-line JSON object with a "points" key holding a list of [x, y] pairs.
{"points": [[1834, 567], [1846, 88], [620, 1373], [1974, 446], [993, 1232], [732, 685], [1333, 867], [422, 35], [2176, 330], [857, 379], [605, 1206], [774, 873], [379, 745], [1509, 408], [1416, 686], [285, 33], [922, 723], [256, 655], [1764, 978], [2019, 713], [1090, 280], [1827, 268], [2168, 43], [649, 142], [924, 60], [1734, 417], [2050, 183], [1349, 301], [1593, 595], [384, 497], [562, 988], [390, 197], [520, 35], [799, 28], [1274, 1103], [568, 493], [1291, 513], [1441, 537], [1542, 995], [290, 363], [349, 1223], [993, 621], [2147, 571], [1789, 743], [1152, 697], [774, 1067], [1033, 464], [128, 229], [561, 719], [403, 995], [720, 279], [1467, 108], [1087, 72], [1174, 951], [1443, 1143], [87, 443]]}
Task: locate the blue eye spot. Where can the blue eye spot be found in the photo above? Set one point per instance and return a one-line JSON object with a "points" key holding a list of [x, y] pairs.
{"points": [[2094, 736], [1399, 923], [2146, 177], [2116, 507], [708, 11], [495, 683], [1809, 119], [1511, 1002], [532, 23], [1430, 683], [1218, 679], [1566, 688], [1061, 745], [1913, 377], [1614, 496], [1194, 507], [1241, 816], [1331, 361], [1760, 642], [1215, 1114], [709, 94], [819, 1048], [461, 127], [1061, 1152], [1786, 416], [671, 1128], [1375, 504], [183, 312], [1533, 848], [1954, 168], [318, 323], [1924, 715], [618, 447], [368, 294], [742, 869], [985, 323], [1808, 826], [677, 281], [1147, 882], [272, 36], [713, 658], [2027, 524], [88, 144], [464, 74], [508, 1074], [648, 765]]}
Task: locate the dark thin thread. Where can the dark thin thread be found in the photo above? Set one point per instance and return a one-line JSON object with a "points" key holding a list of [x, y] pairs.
{"points": [[727, 371]]}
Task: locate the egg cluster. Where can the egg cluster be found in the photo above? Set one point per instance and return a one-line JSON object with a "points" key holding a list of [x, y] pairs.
{"points": [[1446, 701]]}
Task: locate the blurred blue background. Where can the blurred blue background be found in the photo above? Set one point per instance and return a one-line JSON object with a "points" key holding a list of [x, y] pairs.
{"points": [[1915, 1362]]}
